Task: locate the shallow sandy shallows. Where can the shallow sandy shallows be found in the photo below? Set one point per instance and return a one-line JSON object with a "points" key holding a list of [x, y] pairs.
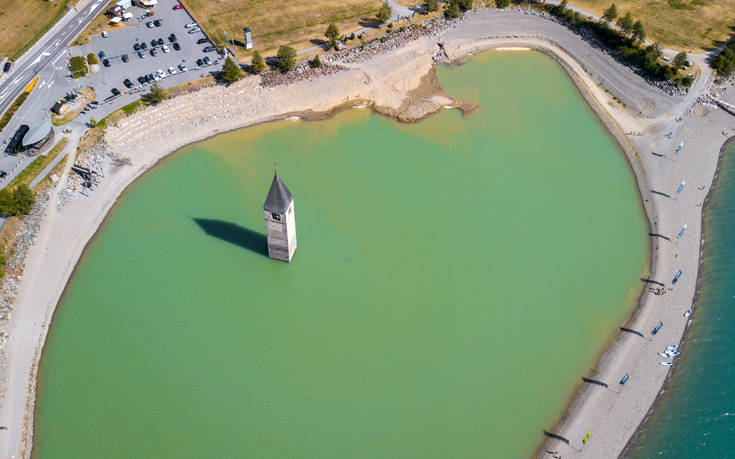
{"points": [[393, 87]]}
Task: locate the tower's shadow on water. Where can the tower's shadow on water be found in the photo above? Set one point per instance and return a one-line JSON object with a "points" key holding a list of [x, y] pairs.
{"points": [[235, 234]]}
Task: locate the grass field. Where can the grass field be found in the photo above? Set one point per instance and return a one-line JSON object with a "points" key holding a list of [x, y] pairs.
{"points": [[690, 25], [22, 22], [297, 23]]}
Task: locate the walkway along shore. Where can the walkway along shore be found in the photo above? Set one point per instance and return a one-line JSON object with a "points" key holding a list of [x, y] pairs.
{"points": [[399, 83]]}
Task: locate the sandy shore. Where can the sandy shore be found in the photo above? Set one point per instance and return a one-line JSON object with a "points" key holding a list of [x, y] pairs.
{"points": [[396, 83]]}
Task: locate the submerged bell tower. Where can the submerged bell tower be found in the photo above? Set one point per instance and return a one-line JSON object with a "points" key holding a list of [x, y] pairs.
{"points": [[280, 221]]}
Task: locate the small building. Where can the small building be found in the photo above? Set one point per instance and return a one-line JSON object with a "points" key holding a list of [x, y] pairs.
{"points": [[114, 11], [248, 37], [280, 221], [60, 107], [38, 138]]}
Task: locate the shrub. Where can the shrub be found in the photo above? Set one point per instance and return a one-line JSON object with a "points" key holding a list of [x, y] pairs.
{"points": [[77, 66], [502, 3], [384, 13], [156, 95], [92, 59], [316, 62]]}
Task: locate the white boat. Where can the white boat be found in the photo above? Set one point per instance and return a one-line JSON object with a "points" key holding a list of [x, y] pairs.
{"points": [[673, 347], [666, 364], [688, 313], [666, 356], [672, 354]]}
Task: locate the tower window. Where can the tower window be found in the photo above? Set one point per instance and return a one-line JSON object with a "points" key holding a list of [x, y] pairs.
{"points": [[276, 217]]}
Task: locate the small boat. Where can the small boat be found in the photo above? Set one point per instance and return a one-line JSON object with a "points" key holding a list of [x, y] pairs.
{"points": [[672, 354], [657, 328], [681, 232], [625, 379], [666, 364], [688, 313], [681, 187], [664, 355], [676, 278], [672, 347], [678, 149]]}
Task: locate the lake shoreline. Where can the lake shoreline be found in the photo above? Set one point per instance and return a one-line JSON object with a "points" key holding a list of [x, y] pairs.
{"points": [[395, 75]]}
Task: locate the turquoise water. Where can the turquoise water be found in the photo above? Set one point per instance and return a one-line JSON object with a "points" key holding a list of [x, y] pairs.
{"points": [[453, 281], [696, 416]]}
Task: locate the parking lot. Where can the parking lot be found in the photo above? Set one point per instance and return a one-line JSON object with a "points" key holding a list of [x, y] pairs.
{"points": [[159, 54]]}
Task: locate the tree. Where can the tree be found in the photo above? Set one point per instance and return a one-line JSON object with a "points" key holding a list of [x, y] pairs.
{"points": [[231, 71], [332, 33], [611, 13], [638, 32], [6, 203], [286, 58], [257, 64], [156, 95], [502, 3], [680, 60], [23, 199], [316, 62], [431, 5], [626, 22], [465, 5], [452, 11], [384, 13]]}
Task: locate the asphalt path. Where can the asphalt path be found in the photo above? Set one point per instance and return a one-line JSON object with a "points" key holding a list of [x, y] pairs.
{"points": [[51, 51]]}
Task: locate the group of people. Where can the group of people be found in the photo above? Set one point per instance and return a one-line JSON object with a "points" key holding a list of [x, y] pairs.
{"points": [[658, 290]]}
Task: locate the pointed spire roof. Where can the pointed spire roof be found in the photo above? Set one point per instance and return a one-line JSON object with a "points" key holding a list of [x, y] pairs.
{"points": [[279, 198]]}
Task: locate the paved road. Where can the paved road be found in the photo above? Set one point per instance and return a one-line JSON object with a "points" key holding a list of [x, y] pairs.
{"points": [[51, 50]]}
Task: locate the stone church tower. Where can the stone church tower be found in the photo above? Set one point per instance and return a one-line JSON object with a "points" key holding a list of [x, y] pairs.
{"points": [[280, 221]]}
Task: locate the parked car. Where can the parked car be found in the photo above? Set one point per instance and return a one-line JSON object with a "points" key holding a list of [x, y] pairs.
{"points": [[172, 71], [101, 54], [154, 52], [115, 91], [195, 30], [128, 83], [149, 78], [178, 7], [143, 46], [200, 62], [125, 58], [172, 38], [105, 34], [202, 40], [160, 42], [141, 80], [182, 67], [177, 47], [105, 62], [7, 66], [141, 54], [154, 42], [161, 73], [190, 25], [164, 48], [136, 46], [209, 49], [3, 174], [157, 23], [207, 61], [149, 24]]}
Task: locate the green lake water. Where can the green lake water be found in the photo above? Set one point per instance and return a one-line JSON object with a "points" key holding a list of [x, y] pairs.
{"points": [[454, 280]]}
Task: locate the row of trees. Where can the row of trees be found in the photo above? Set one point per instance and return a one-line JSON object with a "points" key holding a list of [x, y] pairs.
{"points": [[18, 202], [627, 42]]}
